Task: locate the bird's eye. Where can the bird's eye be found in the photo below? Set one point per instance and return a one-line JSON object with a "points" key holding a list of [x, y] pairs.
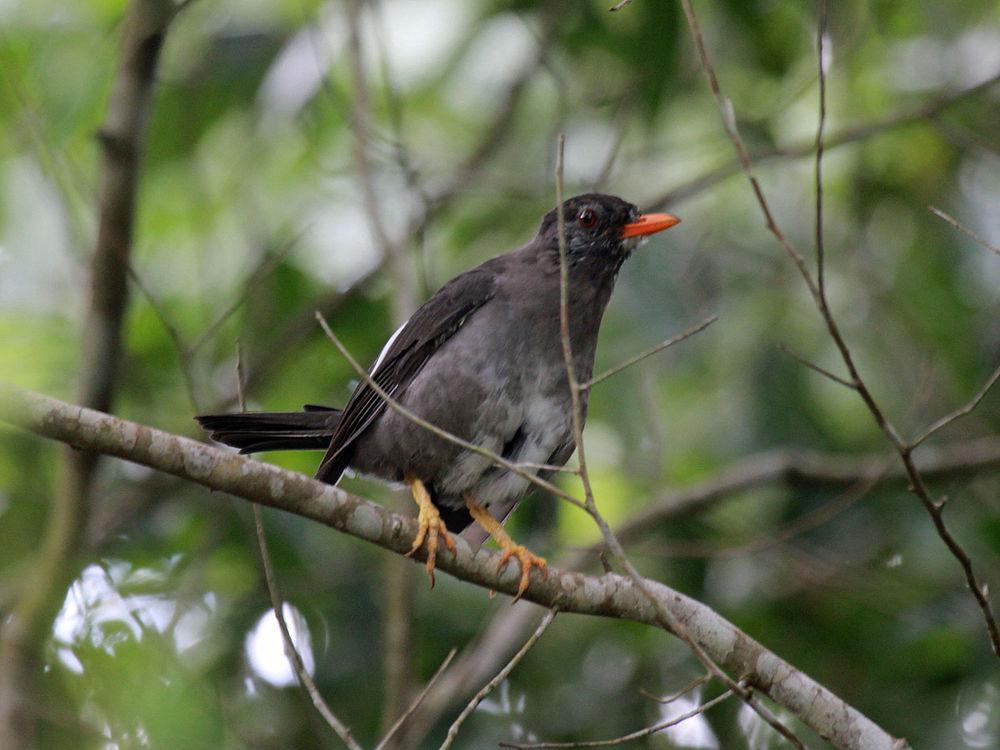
{"points": [[587, 218]]}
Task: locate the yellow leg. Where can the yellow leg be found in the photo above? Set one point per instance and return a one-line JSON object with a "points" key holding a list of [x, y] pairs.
{"points": [[509, 547], [430, 525]]}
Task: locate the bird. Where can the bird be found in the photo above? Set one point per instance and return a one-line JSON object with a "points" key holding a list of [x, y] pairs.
{"points": [[481, 359]]}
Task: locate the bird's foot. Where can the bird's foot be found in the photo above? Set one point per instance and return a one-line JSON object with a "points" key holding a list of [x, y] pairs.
{"points": [[526, 557], [430, 527], [510, 548]]}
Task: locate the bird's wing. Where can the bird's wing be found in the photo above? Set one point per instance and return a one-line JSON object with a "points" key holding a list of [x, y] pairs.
{"points": [[410, 347]]}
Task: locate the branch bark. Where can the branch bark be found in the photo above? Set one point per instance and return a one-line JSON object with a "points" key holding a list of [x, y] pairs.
{"points": [[608, 596]]}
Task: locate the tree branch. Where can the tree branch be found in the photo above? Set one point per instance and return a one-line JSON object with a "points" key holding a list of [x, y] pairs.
{"points": [[934, 509], [608, 596], [292, 653], [964, 229], [638, 735], [497, 679], [852, 134]]}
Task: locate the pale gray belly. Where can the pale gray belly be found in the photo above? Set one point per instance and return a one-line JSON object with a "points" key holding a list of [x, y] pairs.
{"points": [[512, 403]]}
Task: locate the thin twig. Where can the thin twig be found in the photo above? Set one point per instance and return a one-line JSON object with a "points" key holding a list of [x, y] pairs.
{"points": [[811, 469], [511, 624], [267, 266], [773, 537], [547, 467], [443, 434], [947, 419], [404, 292], [979, 592], [499, 128], [666, 618], [658, 727], [696, 682], [398, 580], [416, 701], [183, 352], [852, 134], [500, 677], [820, 131], [623, 117], [666, 344], [241, 396], [300, 328], [816, 368], [619, 5], [290, 651], [964, 229]]}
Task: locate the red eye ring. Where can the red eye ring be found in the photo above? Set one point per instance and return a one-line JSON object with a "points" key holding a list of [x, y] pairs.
{"points": [[587, 218]]}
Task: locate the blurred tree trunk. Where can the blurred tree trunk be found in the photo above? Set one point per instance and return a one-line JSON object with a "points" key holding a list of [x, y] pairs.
{"points": [[26, 630]]}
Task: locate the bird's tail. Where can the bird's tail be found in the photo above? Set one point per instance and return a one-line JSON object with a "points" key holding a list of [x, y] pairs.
{"points": [[251, 432]]}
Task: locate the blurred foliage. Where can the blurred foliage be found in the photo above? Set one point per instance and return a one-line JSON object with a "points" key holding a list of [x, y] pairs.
{"points": [[249, 175]]}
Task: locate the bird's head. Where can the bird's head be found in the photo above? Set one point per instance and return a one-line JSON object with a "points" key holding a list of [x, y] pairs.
{"points": [[601, 230]]}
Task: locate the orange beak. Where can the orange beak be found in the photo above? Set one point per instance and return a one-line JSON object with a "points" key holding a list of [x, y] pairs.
{"points": [[649, 224]]}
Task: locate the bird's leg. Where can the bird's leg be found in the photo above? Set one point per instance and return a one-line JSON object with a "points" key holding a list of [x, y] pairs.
{"points": [[510, 548], [430, 526]]}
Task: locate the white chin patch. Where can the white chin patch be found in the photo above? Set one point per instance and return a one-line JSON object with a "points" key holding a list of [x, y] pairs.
{"points": [[631, 243]]}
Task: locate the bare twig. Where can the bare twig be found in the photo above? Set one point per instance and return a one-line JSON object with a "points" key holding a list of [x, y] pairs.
{"points": [[964, 229], [853, 134], [510, 625], [919, 488], [696, 682], [816, 469], [500, 677], [621, 125], [962, 411], [290, 651], [547, 467], [499, 129], [267, 266], [609, 595], [301, 328], [658, 727], [817, 368], [183, 353], [398, 580], [394, 253], [666, 344], [277, 605], [619, 5], [664, 616], [780, 535], [416, 701], [820, 132], [241, 395]]}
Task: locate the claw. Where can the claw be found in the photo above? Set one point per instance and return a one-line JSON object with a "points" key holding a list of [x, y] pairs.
{"points": [[430, 527], [525, 557], [528, 560]]}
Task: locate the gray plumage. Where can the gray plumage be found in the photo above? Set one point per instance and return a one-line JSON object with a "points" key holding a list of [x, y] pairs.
{"points": [[481, 359]]}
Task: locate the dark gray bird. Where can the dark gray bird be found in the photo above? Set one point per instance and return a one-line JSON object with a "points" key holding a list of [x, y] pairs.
{"points": [[481, 359]]}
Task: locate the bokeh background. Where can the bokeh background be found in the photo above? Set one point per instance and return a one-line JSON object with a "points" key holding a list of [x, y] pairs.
{"points": [[252, 213]]}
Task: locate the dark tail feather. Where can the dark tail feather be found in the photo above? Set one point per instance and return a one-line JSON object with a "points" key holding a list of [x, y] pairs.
{"points": [[273, 431]]}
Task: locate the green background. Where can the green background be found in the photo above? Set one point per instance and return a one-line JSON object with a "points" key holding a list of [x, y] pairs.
{"points": [[250, 194]]}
